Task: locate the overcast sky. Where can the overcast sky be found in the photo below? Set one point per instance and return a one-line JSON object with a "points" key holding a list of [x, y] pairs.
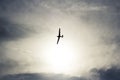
{"points": [[28, 30]]}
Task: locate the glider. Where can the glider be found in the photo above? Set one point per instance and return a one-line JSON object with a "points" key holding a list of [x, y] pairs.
{"points": [[59, 36]]}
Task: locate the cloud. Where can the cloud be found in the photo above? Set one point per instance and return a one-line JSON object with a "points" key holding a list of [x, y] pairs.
{"points": [[6, 65], [100, 17], [37, 76], [17, 6], [112, 5], [110, 74], [11, 31], [95, 74]]}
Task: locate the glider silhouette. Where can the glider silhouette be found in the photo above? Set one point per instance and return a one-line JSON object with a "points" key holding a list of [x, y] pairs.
{"points": [[59, 36]]}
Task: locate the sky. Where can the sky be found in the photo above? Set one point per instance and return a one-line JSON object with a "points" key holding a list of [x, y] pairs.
{"points": [[89, 48]]}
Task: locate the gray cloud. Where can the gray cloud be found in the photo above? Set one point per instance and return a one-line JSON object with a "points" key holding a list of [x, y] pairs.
{"points": [[10, 30], [95, 74], [18, 17], [37, 76], [109, 74]]}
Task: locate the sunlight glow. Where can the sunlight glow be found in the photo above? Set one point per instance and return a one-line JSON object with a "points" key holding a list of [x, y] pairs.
{"points": [[60, 59]]}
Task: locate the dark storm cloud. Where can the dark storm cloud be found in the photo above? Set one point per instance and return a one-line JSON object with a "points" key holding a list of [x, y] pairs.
{"points": [[109, 74], [6, 65], [34, 76], [11, 31], [9, 8], [102, 74], [104, 14], [106, 74], [13, 6]]}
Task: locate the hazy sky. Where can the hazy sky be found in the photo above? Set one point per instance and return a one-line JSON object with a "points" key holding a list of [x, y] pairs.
{"points": [[28, 30]]}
